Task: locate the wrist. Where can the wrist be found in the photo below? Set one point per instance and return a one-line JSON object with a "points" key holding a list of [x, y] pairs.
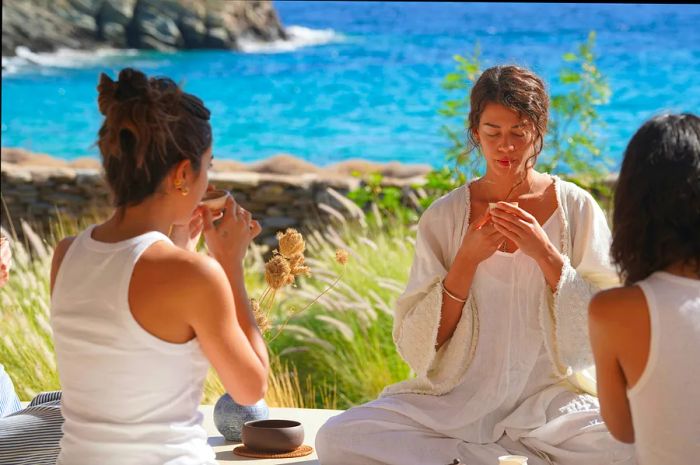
{"points": [[230, 263], [549, 254], [466, 260]]}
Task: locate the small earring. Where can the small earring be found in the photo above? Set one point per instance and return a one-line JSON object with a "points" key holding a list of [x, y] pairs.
{"points": [[185, 190]]}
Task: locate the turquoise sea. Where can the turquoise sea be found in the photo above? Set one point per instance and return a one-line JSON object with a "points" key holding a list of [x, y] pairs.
{"points": [[363, 79]]}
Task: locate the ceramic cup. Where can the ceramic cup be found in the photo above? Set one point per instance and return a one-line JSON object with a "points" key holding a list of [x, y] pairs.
{"points": [[215, 200], [273, 435], [512, 460]]}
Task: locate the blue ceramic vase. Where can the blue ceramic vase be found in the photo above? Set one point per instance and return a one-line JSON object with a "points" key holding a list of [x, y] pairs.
{"points": [[229, 416]]}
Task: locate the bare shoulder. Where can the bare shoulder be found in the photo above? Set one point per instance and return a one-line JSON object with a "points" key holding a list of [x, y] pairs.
{"points": [[617, 306], [169, 268], [59, 254], [62, 247]]}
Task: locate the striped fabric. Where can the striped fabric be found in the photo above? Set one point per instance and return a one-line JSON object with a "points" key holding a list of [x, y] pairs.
{"points": [[45, 397], [31, 436], [9, 403]]}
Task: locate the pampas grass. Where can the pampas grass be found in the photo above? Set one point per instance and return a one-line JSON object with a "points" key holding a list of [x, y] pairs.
{"points": [[338, 353]]}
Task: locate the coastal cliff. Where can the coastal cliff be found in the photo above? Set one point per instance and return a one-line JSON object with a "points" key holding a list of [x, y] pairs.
{"points": [[47, 25]]}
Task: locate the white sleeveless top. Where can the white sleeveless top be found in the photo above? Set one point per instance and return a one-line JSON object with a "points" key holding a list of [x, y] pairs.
{"points": [[128, 396], [664, 403]]}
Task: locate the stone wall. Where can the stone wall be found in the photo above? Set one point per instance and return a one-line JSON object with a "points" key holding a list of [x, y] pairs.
{"points": [[40, 194]]}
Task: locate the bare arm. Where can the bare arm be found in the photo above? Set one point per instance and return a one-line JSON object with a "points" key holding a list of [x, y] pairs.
{"points": [[606, 331], [234, 347], [244, 312], [479, 243], [457, 282], [58, 254]]}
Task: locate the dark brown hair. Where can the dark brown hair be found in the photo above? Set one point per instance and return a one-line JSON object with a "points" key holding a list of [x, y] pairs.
{"points": [[656, 221], [513, 87], [150, 125]]}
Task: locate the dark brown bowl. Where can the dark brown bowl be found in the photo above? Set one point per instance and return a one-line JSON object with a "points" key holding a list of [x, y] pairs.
{"points": [[272, 435]]}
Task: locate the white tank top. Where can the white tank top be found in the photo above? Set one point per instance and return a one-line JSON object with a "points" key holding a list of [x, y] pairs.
{"points": [[128, 396], [664, 403]]}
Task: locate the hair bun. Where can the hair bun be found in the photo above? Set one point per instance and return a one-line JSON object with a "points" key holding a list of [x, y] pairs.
{"points": [[131, 84], [106, 90]]}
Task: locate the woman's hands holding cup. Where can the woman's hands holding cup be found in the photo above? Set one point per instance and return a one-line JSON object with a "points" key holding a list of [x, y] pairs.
{"points": [[481, 240], [186, 236], [229, 238], [521, 228]]}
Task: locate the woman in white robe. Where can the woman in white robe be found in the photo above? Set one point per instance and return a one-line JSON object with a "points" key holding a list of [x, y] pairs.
{"points": [[493, 321]]}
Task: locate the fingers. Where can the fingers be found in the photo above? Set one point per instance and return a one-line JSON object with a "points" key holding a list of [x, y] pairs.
{"points": [[513, 210], [511, 222], [508, 234], [482, 221], [196, 226], [207, 220], [255, 229]]}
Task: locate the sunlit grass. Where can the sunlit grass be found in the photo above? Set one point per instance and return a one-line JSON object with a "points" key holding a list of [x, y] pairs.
{"points": [[337, 353]]}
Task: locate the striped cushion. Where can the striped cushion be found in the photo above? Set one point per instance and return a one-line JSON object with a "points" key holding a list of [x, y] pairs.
{"points": [[45, 397], [31, 436], [9, 403]]}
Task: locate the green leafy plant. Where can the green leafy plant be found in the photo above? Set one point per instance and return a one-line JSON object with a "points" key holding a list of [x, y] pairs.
{"points": [[387, 199], [572, 147], [572, 144]]}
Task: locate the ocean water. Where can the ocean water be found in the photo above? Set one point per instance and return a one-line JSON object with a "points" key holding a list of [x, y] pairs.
{"points": [[363, 79]]}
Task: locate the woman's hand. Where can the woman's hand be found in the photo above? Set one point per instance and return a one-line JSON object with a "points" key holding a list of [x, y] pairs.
{"points": [[186, 236], [521, 228], [481, 240], [229, 238]]}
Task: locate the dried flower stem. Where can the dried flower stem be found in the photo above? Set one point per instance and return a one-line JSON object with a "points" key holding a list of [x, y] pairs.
{"points": [[308, 305]]}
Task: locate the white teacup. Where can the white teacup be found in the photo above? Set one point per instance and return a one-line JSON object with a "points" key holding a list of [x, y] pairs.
{"points": [[512, 460], [215, 200]]}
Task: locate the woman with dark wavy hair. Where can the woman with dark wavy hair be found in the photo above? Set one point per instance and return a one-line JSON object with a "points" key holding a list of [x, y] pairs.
{"points": [[646, 335], [137, 315], [493, 321]]}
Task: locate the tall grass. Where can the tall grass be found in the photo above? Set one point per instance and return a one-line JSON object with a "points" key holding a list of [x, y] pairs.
{"points": [[337, 353]]}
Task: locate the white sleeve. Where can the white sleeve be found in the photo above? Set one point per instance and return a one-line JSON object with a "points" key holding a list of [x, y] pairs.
{"points": [[587, 270]]}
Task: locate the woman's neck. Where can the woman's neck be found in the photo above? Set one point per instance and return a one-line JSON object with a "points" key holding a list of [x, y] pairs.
{"points": [[129, 222], [509, 187], [684, 269]]}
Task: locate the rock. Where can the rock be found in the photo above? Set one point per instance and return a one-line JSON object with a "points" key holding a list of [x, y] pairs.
{"points": [[391, 170], [194, 32], [278, 222], [112, 20], [42, 27], [218, 37], [86, 163], [284, 164], [154, 26], [23, 157], [45, 25], [220, 166]]}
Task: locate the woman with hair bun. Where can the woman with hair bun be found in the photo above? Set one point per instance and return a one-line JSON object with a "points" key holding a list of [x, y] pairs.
{"points": [[493, 321], [138, 316]]}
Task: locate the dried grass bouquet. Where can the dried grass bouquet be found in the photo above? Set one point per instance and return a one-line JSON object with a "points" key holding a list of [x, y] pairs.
{"points": [[281, 270]]}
